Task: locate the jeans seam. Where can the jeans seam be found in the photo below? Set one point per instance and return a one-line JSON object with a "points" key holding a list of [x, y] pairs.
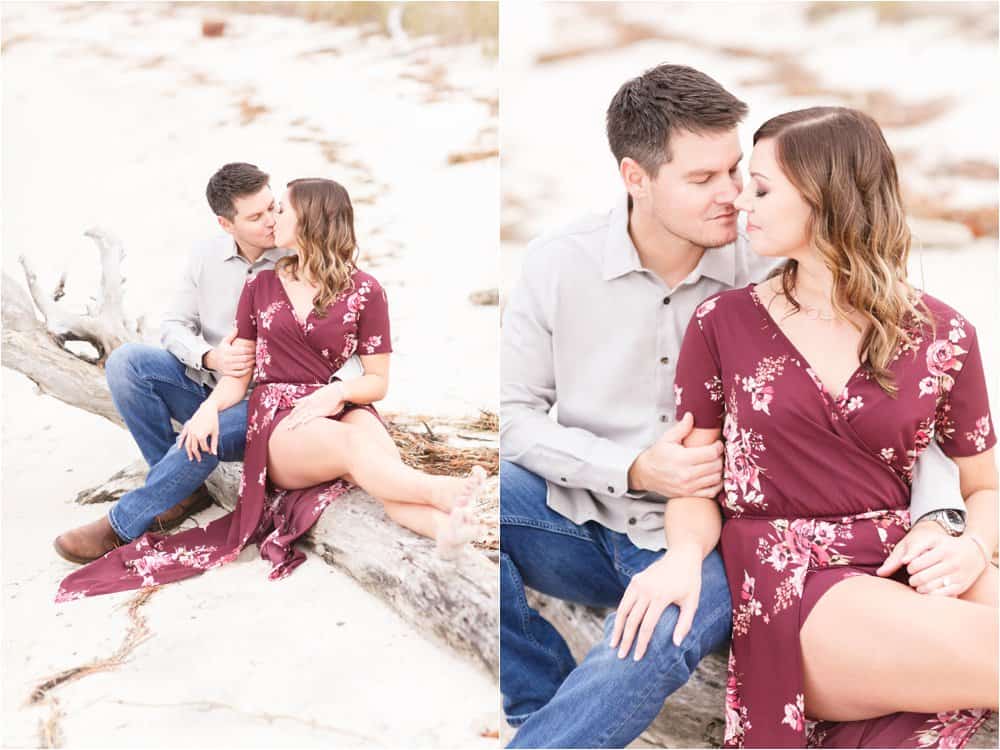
{"points": [[525, 610], [681, 650], [543, 525]]}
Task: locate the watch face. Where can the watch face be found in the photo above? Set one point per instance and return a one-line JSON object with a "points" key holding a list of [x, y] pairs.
{"points": [[954, 517]]}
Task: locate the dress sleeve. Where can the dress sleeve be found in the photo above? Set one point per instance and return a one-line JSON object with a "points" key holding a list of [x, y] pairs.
{"points": [[373, 322], [698, 383], [964, 427], [246, 312]]}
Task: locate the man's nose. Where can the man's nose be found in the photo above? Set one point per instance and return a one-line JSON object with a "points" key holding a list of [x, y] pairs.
{"points": [[731, 192], [742, 201]]}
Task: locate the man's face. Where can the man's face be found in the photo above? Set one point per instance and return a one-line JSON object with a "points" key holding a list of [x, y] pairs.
{"points": [[253, 224], [692, 195]]}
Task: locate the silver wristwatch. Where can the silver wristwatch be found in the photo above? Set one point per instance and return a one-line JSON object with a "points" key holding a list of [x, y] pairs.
{"points": [[951, 521]]}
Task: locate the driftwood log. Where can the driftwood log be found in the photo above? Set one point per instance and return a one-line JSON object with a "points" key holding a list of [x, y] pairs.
{"points": [[458, 604]]}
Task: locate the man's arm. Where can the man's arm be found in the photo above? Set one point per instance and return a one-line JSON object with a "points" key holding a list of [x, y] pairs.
{"points": [[936, 484], [180, 329], [568, 456]]}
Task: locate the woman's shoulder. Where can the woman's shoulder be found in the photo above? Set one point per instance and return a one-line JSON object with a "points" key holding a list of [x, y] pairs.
{"points": [[946, 320], [724, 304], [364, 280]]}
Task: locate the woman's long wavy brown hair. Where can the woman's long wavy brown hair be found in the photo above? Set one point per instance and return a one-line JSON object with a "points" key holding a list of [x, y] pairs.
{"points": [[839, 161], [326, 236]]}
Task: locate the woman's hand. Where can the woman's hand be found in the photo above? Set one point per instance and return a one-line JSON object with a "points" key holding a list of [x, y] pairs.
{"points": [[325, 402], [201, 432], [936, 562], [673, 579]]}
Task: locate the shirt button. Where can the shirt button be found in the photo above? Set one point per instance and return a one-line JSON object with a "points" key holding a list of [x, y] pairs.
{"points": [[663, 417], [611, 489], [631, 521], [666, 300], [249, 271], [562, 479], [664, 360]]}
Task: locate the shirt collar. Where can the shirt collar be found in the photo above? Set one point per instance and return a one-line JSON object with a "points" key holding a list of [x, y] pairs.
{"points": [[230, 250], [621, 256]]}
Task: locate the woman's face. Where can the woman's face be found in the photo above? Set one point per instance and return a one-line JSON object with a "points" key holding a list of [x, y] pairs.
{"points": [[777, 214], [286, 228]]}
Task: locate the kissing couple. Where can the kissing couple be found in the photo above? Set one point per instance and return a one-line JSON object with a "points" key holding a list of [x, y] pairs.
{"points": [[765, 434], [276, 347]]}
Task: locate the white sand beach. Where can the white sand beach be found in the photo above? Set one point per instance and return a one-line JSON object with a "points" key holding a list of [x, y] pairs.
{"points": [[116, 115]]}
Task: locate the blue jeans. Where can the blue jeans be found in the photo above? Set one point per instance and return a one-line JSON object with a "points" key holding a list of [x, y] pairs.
{"points": [[604, 701], [148, 387]]}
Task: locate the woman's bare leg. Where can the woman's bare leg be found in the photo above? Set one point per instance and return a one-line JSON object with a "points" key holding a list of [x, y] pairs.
{"points": [[917, 652], [984, 590], [355, 448]]}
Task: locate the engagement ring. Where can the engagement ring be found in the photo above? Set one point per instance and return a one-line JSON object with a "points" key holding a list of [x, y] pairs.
{"points": [[945, 582]]}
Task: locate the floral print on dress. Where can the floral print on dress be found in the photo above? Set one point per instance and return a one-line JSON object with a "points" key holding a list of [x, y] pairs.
{"points": [[288, 366], [808, 501]]}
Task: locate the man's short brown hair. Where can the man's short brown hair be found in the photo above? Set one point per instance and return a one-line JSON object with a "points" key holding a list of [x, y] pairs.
{"points": [[233, 181], [647, 110]]}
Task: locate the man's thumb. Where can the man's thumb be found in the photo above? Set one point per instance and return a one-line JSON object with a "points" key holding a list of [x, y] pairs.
{"points": [[681, 430]]}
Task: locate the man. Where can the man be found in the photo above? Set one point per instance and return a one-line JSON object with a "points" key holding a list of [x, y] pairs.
{"points": [[150, 386], [596, 324]]}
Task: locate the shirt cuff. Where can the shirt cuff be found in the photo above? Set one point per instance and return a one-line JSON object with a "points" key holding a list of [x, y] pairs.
{"points": [[198, 357], [609, 475]]}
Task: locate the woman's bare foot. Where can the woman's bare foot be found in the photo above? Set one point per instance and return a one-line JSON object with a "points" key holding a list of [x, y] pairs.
{"points": [[462, 526], [449, 491]]}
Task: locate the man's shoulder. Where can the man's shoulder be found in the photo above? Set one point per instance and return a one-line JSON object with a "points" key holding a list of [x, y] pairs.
{"points": [[584, 235], [209, 248]]}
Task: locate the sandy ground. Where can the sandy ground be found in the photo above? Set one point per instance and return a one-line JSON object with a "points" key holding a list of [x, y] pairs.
{"points": [[117, 115]]}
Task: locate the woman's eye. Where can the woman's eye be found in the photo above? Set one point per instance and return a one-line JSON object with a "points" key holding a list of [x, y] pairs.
{"points": [[761, 193]]}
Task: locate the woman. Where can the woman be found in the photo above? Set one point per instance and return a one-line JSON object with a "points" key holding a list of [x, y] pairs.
{"points": [[825, 383], [310, 436]]}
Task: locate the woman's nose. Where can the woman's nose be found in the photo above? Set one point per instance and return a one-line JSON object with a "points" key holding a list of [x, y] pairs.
{"points": [[742, 202]]}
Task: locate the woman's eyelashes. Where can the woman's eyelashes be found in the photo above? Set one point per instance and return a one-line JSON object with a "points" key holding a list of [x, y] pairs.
{"points": [[760, 193]]}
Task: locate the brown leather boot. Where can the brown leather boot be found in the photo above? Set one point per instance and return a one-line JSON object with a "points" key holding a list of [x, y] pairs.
{"points": [[171, 518], [86, 543]]}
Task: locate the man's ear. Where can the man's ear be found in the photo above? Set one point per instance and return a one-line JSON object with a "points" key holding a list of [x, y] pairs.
{"points": [[634, 176], [226, 224]]}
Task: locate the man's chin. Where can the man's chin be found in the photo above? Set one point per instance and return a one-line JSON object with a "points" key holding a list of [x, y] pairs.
{"points": [[719, 239]]}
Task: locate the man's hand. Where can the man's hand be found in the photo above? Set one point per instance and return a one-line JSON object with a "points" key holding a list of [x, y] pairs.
{"points": [[325, 402], [231, 357], [671, 470], [673, 579], [934, 558]]}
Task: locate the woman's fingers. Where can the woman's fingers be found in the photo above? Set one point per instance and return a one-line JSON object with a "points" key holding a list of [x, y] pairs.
{"points": [[929, 579], [631, 626], [620, 616], [688, 606], [213, 442], [649, 623], [927, 558]]}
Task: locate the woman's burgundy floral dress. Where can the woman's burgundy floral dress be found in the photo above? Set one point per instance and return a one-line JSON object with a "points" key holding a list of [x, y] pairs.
{"points": [[816, 489], [293, 359]]}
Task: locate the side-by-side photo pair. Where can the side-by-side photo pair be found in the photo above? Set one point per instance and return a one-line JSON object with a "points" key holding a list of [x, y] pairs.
{"points": [[500, 375]]}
